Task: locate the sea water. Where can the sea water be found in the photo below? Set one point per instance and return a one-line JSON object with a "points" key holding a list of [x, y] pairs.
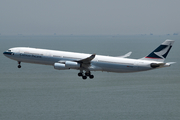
{"points": [[39, 92]]}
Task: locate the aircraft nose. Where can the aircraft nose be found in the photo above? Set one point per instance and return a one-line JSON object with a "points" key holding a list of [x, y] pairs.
{"points": [[7, 53]]}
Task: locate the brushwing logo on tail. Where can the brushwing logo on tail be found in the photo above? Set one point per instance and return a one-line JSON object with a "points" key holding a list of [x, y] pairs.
{"points": [[161, 52]]}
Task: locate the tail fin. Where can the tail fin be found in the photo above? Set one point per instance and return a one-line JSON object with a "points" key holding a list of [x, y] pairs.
{"points": [[161, 52]]}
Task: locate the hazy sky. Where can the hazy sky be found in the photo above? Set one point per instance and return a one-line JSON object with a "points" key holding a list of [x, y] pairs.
{"points": [[89, 17]]}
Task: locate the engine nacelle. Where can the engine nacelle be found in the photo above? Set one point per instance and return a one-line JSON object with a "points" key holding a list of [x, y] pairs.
{"points": [[66, 65], [71, 64], [167, 65], [60, 66]]}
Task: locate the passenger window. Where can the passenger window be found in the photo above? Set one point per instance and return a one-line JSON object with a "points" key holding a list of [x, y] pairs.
{"points": [[9, 50]]}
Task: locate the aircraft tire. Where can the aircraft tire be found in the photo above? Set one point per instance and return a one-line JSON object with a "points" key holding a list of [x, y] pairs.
{"points": [[19, 66], [80, 74], [87, 74], [91, 76], [84, 77]]}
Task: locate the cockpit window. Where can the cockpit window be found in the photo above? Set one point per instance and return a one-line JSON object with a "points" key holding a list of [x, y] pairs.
{"points": [[9, 50]]}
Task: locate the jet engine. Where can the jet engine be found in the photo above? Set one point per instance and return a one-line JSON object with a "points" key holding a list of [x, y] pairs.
{"points": [[66, 65], [60, 66], [71, 64]]}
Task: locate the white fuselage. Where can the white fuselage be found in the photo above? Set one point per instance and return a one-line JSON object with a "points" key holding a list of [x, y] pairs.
{"points": [[99, 63]]}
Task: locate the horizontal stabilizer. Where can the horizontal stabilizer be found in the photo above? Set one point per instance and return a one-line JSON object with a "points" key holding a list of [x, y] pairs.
{"points": [[126, 55], [155, 65], [171, 63]]}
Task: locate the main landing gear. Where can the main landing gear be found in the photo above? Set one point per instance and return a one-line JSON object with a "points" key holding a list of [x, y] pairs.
{"points": [[84, 76], [19, 66]]}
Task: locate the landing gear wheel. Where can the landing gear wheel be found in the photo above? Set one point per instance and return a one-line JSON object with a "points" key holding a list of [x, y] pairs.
{"points": [[80, 74], [84, 77], [19, 66], [91, 76], [87, 74]]}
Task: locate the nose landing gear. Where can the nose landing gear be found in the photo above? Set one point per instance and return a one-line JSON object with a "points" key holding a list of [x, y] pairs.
{"points": [[19, 66]]}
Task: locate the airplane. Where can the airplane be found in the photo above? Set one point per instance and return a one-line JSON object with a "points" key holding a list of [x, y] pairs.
{"points": [[85, 63]]}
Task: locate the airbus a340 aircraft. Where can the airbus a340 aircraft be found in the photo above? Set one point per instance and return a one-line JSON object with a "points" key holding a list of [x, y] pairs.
{"points": [[86, 63]]}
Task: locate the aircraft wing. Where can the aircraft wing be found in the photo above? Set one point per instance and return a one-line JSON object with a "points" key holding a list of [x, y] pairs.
{"points": [[87, 60], [126, 55]]}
